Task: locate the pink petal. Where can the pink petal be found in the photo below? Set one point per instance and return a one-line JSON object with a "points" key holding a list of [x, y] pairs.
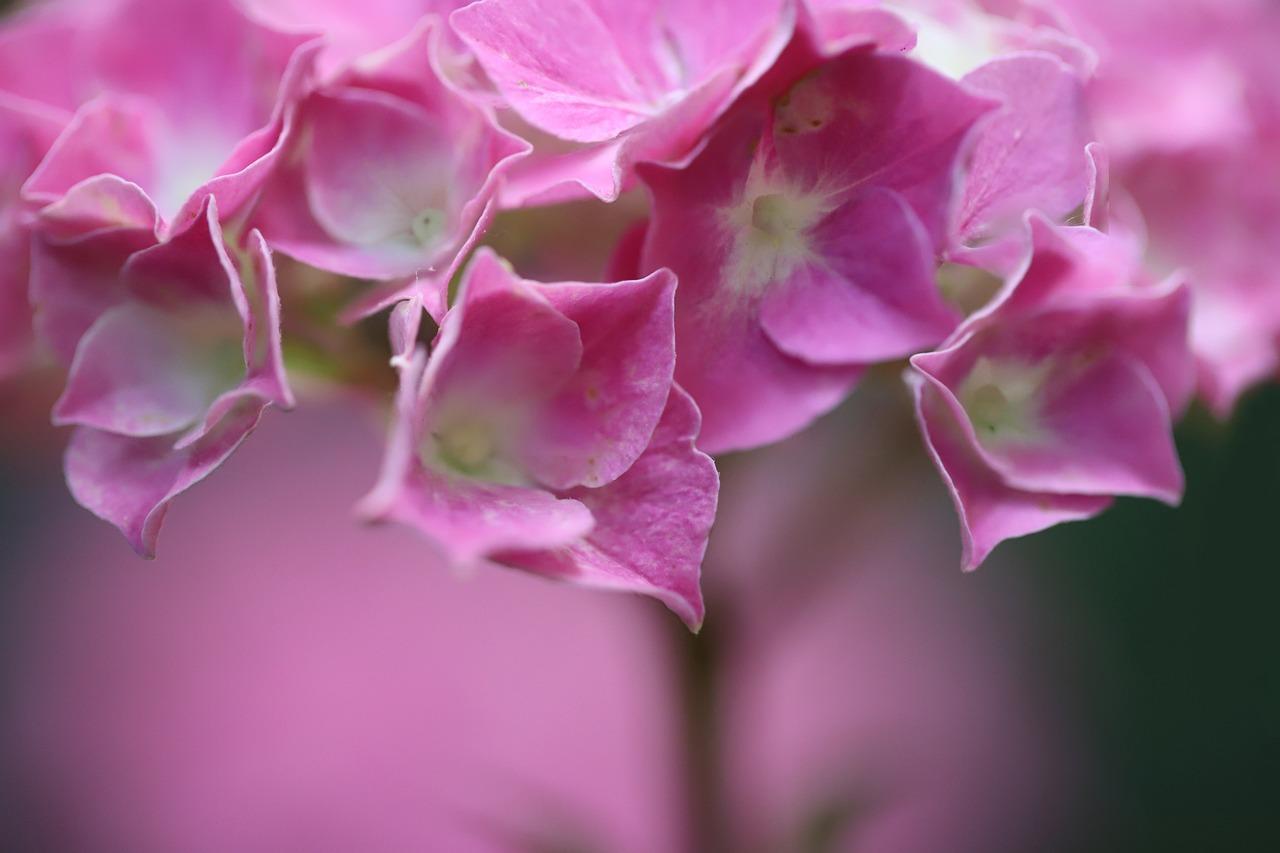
{"points": [[868, 119], [137, 373], [1076, 268], [465, 519], [27, 130], [602, 420], [990, 511], [559, 64], [503, 346], [72, 284], [1031, 154], [869, 296], [1102, 428], [749, 392], [593, 71], [130, 482], [390, 170], [651, 524], [108, 136]]}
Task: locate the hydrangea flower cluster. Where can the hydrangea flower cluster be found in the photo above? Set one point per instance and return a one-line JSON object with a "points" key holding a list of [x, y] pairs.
{"points": [[832, 185]]}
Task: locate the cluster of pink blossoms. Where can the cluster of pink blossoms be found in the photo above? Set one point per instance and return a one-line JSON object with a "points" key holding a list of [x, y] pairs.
{"points": [[832, 186]]}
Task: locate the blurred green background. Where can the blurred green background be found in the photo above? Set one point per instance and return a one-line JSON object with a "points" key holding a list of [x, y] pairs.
{"points": [[1182, 687]]}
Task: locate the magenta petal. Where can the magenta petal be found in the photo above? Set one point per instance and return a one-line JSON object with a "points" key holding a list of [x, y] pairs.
{"points": [[130, 482], [870, 293], [751, 394], [351, 31], [27, 130], [866, 119], [549, 178], [1031, 154], [651, 524], [600, 423], [990, 511], [1111, 425], [29, 39]]}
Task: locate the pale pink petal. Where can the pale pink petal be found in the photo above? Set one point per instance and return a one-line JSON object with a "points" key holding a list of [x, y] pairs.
{"points": [[108, 136], [652, 77], [390, 170], [137, 373]]}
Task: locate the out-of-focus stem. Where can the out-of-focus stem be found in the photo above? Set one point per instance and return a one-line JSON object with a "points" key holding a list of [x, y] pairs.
{"points": [[699, 659]]}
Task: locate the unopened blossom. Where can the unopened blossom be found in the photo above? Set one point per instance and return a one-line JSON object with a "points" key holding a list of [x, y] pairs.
{"points": [[543, 432], [1059, 396], [389, 171], [805, 239], [185, 100], [631, 81], [174, 352]]}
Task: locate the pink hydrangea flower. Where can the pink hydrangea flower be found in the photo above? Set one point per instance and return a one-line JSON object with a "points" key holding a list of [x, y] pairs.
{"points": [[631, 81], [544, 433], [37, 98], [175, 352], [26, 131], [1190, 111], [1176, 74], [390, 172], [1030, 155], [1059, 396], [1219, 217], [805, 242], [190, 100], [351, 30]]}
